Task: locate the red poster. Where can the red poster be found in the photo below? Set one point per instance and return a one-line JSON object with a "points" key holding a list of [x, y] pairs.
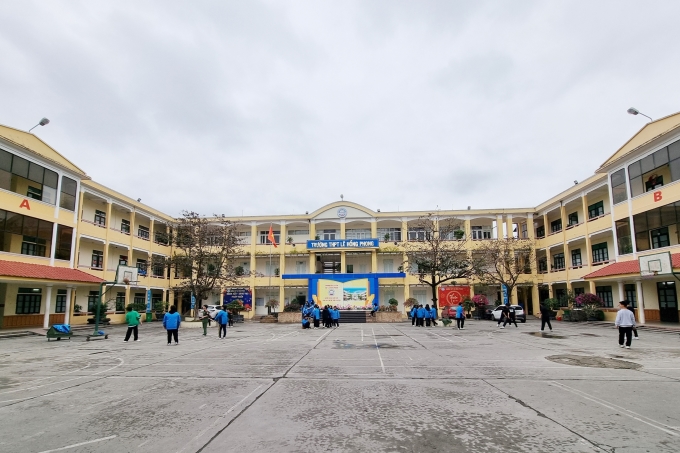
{"points": [[452, 295]]}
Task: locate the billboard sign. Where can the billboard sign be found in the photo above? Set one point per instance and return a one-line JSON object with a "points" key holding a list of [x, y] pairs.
{"points": [[450, 296], [245, 295]]}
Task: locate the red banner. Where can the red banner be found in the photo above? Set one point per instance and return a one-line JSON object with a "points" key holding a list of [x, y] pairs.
{"points": [[452, 295]]}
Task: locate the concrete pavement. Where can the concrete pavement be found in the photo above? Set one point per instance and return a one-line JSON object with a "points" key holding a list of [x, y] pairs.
{"points": [[370, 387]]}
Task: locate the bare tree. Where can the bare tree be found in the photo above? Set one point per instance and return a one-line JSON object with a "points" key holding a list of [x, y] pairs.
{"points": [[503, 261], [203, 254], [437, 251]]}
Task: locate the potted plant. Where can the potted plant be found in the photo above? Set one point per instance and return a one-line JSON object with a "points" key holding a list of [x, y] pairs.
{"points": [[158, 310], [290, 240], [276, 272], [317, 237], [271, 304], [458, 234], [239, 271], [480, 301], [387, 237], [77, 308], [103, 308], [292, 307], [467, 306], [393, 303]]}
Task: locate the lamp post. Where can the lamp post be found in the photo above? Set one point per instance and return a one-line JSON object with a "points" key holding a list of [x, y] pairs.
{"points": [[42, 122], [634, 111]]}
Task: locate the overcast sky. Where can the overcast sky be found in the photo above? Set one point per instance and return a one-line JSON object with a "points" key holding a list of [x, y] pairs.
{"points": [[279, 107]]}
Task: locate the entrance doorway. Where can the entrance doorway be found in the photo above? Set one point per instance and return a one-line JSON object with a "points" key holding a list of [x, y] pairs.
{"points": [[668, 301]]}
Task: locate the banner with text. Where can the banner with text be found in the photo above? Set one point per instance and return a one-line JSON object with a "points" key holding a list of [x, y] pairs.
{"points": [[242, 294], [452, 295], [345, 244], [354, 293]]}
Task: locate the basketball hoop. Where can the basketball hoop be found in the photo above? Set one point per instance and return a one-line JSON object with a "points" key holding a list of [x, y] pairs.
{"points": [[127, 275], [655, 264]]}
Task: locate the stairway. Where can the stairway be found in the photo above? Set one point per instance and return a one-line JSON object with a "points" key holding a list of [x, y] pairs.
{"points": [[352, 316]]}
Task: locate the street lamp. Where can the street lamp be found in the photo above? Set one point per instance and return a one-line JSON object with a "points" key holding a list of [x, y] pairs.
{"points": [[634, 111], [42, 122]]}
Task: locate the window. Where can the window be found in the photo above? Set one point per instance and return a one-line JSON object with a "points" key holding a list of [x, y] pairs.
{"points": [[92, 299], [388, 265], [480, 232], [578, 291], [264, 239], [525, 231], [97, 259], [652, 171], [576, 258], [542, 265], [120, 301], [34, 192], [140, 300], [561, 296], [122, 260], [243, 237], [653, 182], [600, 253], [300, 267], [329, 235], [60, 305], [618, 181], [605, 293], [558, 261], [363, 268], [660, 238], [33, 246], [158, 269], [556, 226], [67, 199], [623, 236], [394, 233], [416, 234], [596, 210], [18, 174], [161, 237], [143, 232], [350, 268], [64, 241], [100, 218], [540, 232], [630, 294], [573, 219], [141, 266], [292, 233], [125, 226], [359, 234], [28, 301]]}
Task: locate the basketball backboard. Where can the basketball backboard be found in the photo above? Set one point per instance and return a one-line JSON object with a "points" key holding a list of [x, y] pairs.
{"points": [[655, 264], [127, 275]]}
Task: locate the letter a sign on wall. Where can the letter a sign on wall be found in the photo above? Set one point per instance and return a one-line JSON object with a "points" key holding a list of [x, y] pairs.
{"points": [[24, 204]]}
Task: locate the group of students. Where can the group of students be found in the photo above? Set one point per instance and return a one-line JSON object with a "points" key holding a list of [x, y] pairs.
{"points": [[423, 316], [173, 320], [329, 315]]}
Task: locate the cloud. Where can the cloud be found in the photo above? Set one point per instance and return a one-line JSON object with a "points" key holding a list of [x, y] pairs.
{"points": [[274, 108]]}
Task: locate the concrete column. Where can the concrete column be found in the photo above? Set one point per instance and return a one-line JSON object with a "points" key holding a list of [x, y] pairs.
{"points": [[499, 227], [550, 290], [342, 229], [67, 311], [312, 263], [468, 229], [621, 292], [509, 226], [374, 261], [546, 226], [343, 262], [548, 259], [531, 232], [374, 229], [535, 302], [53, 245], [48, 306], [404, 229], [282, 254], [133, 225], [407, 294], [152, 234], [254, 239], [592, 287], [312, 230], [640, 301]]}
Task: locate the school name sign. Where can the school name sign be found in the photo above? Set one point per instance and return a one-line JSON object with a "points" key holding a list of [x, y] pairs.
{"points": [[344, 244]]}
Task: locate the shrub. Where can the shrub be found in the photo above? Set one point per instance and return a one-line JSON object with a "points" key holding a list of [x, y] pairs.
{"points": [[599, 315], [393, 302], [235, 306], [387, 308], [468, 304], [272, 303], [587, 299], [480, 300], [552, 303], [292, 307], [410, 302]]}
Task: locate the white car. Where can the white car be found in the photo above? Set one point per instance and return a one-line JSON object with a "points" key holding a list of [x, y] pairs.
{"points": [[213, 309], [519, 313]]}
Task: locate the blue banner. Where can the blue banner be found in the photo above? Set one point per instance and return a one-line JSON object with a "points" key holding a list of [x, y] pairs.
{"points": [[148, 301], [345, 244], [193, 301], [504, 290], [242, 294]]}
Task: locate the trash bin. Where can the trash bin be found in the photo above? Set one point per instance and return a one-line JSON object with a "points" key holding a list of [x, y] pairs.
{"points": [[59, 331]]}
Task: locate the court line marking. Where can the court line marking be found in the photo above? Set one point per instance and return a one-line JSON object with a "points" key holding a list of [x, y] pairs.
{"points": [[322, 336], [621, 410], [382, 365], [395, 341], [101, 439]]}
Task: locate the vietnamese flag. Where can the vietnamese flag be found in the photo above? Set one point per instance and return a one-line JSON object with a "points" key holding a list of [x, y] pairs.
{"points": [[270, 236]]}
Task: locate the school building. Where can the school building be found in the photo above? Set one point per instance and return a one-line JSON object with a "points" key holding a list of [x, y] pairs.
{"points": [[63, 234]]}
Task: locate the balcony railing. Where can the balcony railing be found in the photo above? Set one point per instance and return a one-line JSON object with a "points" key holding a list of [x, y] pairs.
{"points": [[597, 217], [100, 225], [600, 263], [573, 225]]}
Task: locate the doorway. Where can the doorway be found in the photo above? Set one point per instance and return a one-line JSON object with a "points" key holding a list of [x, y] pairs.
{"points": [[668, 301]]}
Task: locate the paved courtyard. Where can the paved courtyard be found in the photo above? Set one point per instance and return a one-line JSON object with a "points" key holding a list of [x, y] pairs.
{"points": [[358, 388]]}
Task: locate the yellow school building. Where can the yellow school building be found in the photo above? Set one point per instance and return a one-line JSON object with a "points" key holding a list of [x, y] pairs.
{"points": [[63, 234]]}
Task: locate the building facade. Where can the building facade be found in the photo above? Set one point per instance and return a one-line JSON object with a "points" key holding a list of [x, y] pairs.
{"points": [[64, 234]]}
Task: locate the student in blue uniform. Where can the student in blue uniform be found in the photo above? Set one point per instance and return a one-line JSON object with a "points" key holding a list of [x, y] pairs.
{"points": [[316, 314], [305, 323], [171, 322], [336, 316], [420, 314], [428, 315], [460, 316], [413, 315], [222, 318], [433, 312]]}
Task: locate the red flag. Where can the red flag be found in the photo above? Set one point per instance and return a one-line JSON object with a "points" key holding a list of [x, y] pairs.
{"points": [[270, 236]]}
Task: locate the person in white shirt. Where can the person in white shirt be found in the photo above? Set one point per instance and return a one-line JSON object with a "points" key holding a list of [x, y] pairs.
{"points": [[625, 321]]}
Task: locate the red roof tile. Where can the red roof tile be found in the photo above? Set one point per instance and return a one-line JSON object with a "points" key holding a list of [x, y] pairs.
{"points": [[39, 271], [626, 267]]}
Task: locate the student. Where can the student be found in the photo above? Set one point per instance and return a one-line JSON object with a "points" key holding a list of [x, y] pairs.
{"points": [[510, 317], [171, 323], [504, 315], [132, 320], [326, 316], [433, 313], [460, 316], [204, 316], [222, 318], [305, 323], [635, 334], [545, 317], [625, 322], [230, 316], [335, 316], [413, 315], [316, 314]]}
